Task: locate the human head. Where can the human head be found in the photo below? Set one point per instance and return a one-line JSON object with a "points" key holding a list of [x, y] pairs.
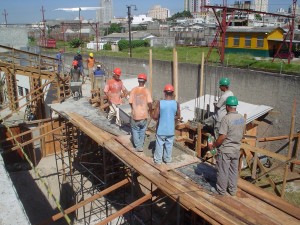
{"points": [[91, 55], [61, 50], [231, 103], [142, 78], [224, 83], [98, 66], [78, 52], [117, 73], [169, 89]]}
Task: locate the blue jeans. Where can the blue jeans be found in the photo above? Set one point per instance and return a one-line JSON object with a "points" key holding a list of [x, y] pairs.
{"points": [[163, 148], [138, 128]]}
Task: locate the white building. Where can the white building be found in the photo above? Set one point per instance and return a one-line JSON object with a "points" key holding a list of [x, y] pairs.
{"points": [[140, 19], [105, 14], [157, 12], [194, 6], [261, 5]]}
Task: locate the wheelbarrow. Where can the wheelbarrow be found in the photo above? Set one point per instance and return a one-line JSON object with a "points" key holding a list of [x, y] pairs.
{"points": [[76, 89]]}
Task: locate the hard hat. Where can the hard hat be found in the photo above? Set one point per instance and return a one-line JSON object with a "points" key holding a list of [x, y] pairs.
{"points": [[75, 63], [99, 66], [142, 76], [224, 81], [117, 71], [232, 101], [78, 51], [91, 55], [169, 88]]}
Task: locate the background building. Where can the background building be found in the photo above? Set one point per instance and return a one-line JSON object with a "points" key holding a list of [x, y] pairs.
{"points": [[105, 14], [261, 5], [157, 12], [196, 7]]}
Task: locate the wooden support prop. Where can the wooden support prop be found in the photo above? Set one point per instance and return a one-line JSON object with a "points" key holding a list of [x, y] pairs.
{"points": [[264, 152], [86, 201], [199, 141], [265, 139], [34, 139], [297, 152], [202, 75], [150, 79], [126, 209], [290, 149], [175, 73]]}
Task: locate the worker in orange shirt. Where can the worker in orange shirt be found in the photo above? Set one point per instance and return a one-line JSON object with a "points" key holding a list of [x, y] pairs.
{"points": [[90, 63], [114, 89], [140, 101]]}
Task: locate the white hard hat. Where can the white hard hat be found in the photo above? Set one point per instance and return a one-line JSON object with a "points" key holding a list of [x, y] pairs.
{"points": [[99, 65]]}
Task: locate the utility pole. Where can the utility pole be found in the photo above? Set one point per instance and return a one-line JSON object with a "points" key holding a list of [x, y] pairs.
{"points": [[44, 28], [79, 24], [5, 14], [129, 26]]}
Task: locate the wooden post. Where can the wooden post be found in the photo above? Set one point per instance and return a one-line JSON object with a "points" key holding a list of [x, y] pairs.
{"points": [[290, 148], [297, 151], [150, 80], [199, 140], [175, 73], [202, 75]]}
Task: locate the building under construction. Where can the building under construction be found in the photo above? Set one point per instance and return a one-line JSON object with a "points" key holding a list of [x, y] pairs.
{"points": [[97, 178]]}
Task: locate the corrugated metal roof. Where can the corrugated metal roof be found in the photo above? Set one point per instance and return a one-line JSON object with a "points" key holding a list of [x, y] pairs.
{"points": [[252, 111]]}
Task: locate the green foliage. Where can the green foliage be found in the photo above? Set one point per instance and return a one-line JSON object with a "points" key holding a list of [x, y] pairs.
{"points": [[107, 46], [124, 44], [75, 43], [183, 14], [31, 39], [114, 28], [258, 17]]}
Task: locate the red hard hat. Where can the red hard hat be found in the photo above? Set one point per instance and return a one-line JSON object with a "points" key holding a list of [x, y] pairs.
{"points": [[142, 76], [75, 63], [117, 71], [169, 87]]}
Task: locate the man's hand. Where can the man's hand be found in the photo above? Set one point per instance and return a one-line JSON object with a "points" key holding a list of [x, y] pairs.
{"points": [[210, 145]]}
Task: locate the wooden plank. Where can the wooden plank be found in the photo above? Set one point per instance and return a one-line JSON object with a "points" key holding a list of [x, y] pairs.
{"points": [[269, 198], [199, 141], [296, 153], [126, 209]]}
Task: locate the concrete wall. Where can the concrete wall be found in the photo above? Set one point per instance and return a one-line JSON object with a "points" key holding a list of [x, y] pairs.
{"points": [[262, 88], [14, 37]]}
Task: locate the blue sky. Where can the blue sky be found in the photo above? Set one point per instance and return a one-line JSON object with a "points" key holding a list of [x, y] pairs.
{"points": [[29, 11]]}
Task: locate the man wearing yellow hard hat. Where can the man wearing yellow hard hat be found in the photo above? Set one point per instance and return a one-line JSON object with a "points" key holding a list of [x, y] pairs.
{"points": [[90, 65]]}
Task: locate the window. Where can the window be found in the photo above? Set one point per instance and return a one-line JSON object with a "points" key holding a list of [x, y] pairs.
{"points": [[226, 40], [236, 40], [248, 41], [260, 42], [20, 90]]}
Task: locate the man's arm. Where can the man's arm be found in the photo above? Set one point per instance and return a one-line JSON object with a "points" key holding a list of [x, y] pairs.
{"points": [[150, 108], [219, 141], [156, 112]]}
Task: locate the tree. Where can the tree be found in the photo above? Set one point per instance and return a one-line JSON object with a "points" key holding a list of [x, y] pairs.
{"points": [[113, 28], [183, 14]]}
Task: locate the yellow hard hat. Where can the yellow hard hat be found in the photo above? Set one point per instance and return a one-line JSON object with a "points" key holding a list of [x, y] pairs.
{"points": [[91, 54]]}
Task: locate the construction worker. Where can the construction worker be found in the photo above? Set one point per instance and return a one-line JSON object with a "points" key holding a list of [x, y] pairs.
{"points": [[90, 64], [78, 58], [99, 78], [166, 112], [140, 101], [228, 145], [114, 89], [214, 121], [59, 61], [75, 72]]}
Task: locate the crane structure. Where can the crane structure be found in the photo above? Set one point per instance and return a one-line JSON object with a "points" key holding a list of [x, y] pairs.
{"points": [[219, 39]]}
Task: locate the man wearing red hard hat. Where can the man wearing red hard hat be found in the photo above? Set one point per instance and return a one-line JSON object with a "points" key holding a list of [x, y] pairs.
{"points": [[140, 101], [166, 112], [114, 89]]}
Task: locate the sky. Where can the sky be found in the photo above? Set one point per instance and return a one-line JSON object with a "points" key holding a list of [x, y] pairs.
{"points": [[29, 11]]}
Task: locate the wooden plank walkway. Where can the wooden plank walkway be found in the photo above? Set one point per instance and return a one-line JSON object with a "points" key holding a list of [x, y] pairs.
{"points": [[241, 209]]}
